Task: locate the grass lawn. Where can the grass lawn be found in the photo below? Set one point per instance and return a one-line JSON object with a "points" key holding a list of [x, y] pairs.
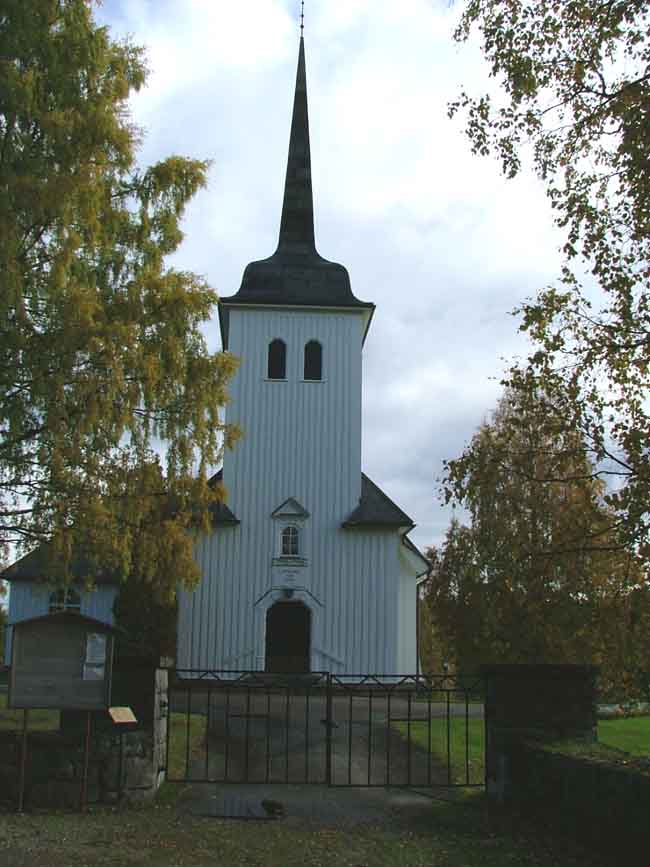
{"points": [[186, 743], [38, 720], [463, 741], [165, 835], [48, 720], [162, 835], [631, 734]]}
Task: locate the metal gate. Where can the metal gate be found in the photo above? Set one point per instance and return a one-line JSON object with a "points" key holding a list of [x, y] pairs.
{"points": [[327, 729]]}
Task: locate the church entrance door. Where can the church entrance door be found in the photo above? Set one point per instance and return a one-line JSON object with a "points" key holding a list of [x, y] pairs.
{"points": [[288, 638]]}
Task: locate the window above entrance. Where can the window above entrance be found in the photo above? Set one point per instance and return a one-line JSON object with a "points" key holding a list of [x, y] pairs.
{"points": [[290, 549], [290, 542]]}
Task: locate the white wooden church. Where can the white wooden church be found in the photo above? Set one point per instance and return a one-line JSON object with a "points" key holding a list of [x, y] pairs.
{"points": [[309, 566]]}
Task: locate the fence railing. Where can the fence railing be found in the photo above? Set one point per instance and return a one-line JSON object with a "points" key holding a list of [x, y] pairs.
{"points": [[322, 728]]}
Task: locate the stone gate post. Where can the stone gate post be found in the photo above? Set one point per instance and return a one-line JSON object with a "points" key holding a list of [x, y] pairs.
{"points": [[534, 702]]}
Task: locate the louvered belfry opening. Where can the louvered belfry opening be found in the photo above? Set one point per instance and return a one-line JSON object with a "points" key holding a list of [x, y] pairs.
{"points": [[277, 363], [288, 638], [313, 360]]}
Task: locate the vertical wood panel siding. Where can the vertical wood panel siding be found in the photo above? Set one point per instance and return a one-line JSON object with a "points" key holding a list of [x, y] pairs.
{"points": [[302, 440], [98, 603], [407, 619], [25, 600]]}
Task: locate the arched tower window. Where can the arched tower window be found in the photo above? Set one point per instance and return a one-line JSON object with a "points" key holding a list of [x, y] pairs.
{"points": [[290, 546], [277, 366], [65, 600], [313, 360]]}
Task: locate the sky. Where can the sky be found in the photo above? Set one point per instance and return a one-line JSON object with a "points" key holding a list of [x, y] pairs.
{"points": [[433, 235]]}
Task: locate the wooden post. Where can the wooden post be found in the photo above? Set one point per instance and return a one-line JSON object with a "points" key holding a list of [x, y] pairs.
{"points": [[84, 778], [417, 633], [120, 790], [23, 762], [328, 729]]}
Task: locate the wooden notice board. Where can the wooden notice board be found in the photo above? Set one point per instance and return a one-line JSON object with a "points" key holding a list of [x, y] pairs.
{"points": [[61, 661]]}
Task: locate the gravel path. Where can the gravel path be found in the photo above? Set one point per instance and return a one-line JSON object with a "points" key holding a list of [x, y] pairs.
{"points": [[400, 809], [267, 747], [278, 738]]}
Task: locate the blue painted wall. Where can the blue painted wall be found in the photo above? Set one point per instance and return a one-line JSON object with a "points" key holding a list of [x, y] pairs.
{"points": [[31, 599]]}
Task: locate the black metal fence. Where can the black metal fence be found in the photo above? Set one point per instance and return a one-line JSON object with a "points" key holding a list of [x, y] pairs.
{"points": [[322, 728]]}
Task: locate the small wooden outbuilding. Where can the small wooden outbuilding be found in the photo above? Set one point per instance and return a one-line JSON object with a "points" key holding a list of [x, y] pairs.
{"points": [[62, 660]]}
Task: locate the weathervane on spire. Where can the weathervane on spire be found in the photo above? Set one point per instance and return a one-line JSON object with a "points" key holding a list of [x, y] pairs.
{"points": [[302, 18]]}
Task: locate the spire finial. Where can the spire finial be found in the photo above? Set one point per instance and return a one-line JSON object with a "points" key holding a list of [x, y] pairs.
{"points": [[302, 18]]}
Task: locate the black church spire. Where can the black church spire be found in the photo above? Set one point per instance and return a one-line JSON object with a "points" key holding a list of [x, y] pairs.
{"points": [[297, 224], [295, 275]]}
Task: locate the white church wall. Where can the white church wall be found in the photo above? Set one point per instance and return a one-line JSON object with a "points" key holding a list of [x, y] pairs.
{"points": [[407, 618], [205, 615], [351, 589], [302, 438]]}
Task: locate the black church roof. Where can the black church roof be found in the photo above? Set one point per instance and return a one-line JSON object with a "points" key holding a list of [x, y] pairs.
{"points": [[220, 512], [376, 509]]}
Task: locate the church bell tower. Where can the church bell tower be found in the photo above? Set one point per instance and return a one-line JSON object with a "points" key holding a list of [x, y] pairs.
{"points": [[299, 331]]}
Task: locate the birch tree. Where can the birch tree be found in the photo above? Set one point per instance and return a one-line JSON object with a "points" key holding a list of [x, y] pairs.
{"points": [[574, 101], [109, 398]]}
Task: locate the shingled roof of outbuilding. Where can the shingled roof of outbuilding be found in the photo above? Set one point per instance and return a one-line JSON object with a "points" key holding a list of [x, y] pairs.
{"points": [[295, 274], [38, 566], [70, 617], [376, 509]]}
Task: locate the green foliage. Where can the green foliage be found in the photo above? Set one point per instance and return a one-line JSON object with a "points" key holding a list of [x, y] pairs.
{"points": [[3, 618], [623, 622], [101, 353], [3, 623], [148, 621], [575, 96], [537, 576], [433, 655]]}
